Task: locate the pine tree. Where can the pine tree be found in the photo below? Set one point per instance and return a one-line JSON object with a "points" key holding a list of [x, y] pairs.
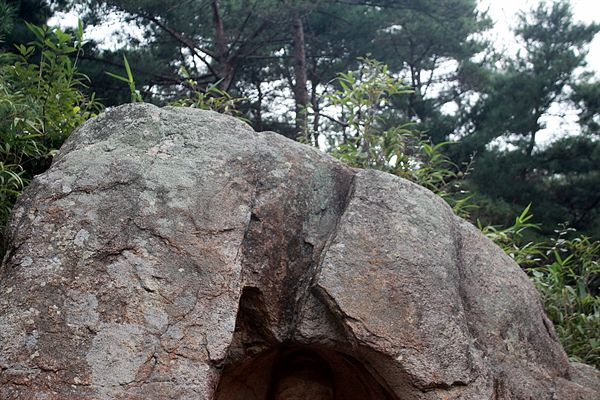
{"points": [[514, 103]]}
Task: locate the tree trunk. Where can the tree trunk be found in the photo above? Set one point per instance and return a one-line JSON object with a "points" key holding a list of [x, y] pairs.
{"points": [[300, 91], [531, 144], [534, 127], [314, 100], [258, 123], [226, 67]]}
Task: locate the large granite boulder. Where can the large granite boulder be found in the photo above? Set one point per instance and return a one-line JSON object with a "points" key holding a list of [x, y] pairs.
{"points": [[177, 254]]}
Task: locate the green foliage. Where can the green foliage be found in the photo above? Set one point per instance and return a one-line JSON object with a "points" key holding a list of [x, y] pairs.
{"points": [[44, 88], [506, 120], [11, 184], [421, 38], [362, 100], [568, 281], [587, 95], [511, 239], [7, 14], [566, 272], [257, 45], [210, 97], [14, 14], [136, 96], [41, 103]]}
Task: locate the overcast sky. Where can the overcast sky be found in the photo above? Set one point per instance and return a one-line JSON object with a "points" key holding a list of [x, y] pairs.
{"points": [[503, 12], [562, 121]]}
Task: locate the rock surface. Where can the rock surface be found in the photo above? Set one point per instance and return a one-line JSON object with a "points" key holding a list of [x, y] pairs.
{"points": [[177, 254]]}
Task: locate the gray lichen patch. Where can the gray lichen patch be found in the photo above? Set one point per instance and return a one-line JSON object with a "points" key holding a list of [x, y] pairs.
{"points": [[117, 353], [81, 237], [81, 309]]}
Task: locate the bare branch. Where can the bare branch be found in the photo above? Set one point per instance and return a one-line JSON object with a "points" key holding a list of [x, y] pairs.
{"points": [[189, 43]]}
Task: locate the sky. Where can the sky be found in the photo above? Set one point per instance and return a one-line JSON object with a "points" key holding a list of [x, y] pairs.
{"points": [[561, 121], [504, 13]]}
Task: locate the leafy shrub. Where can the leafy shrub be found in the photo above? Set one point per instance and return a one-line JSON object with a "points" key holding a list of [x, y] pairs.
{"points": [[569, 282], [42, 101], [210, 97], [511, 239], [566, 273], [136, 96], [362, 100]]}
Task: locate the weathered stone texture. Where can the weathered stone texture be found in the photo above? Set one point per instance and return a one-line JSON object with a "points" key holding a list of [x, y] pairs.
{"points": [[177, 254]]}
